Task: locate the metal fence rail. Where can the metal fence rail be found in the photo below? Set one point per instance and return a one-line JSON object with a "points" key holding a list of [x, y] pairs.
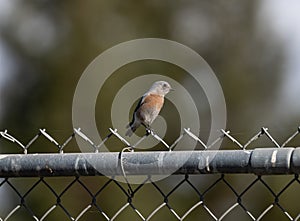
{"points": [[245, 182], [260, 161]]}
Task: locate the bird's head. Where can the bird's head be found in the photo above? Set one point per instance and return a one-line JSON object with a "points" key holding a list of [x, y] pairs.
{"points": [[161, 88]]}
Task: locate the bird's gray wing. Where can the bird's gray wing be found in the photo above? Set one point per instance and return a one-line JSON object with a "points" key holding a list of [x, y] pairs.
{"points": [[140, 103]]}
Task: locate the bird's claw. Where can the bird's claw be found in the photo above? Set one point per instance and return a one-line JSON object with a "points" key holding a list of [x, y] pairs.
{"points": [[149, 131]]}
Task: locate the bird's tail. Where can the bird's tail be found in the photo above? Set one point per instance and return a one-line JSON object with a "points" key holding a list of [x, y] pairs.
{"points": [[131, 129]]}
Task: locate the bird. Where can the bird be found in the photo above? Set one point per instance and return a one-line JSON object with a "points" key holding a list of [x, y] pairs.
{"points": [[149, 106]]}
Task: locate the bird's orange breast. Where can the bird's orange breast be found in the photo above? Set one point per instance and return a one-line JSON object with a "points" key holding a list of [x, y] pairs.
{"points": [[153, 101]]}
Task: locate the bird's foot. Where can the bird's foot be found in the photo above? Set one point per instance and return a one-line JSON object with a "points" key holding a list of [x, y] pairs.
{"points": [[149, 131]]}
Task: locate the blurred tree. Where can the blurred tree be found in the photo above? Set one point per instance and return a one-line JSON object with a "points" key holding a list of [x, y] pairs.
{"points": [[52, 42]]}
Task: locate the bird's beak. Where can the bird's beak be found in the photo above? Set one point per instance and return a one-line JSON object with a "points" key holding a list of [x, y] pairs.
{"points": [[171, 89]]}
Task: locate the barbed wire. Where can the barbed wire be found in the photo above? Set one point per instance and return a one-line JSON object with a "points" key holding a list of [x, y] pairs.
{"points": [[197, 189]]}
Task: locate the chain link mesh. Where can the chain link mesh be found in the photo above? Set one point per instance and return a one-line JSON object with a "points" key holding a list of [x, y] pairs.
{"points": [[178, 197]]}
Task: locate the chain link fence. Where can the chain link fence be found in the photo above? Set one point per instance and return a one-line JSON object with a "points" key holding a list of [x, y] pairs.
{"points": [[249, 180]]}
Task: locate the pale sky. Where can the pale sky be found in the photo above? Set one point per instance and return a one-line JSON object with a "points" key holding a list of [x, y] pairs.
{"points": [[283, 18]]}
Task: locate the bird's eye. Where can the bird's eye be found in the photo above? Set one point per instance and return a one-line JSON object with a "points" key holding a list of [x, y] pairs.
{"points": [[165, 85]]}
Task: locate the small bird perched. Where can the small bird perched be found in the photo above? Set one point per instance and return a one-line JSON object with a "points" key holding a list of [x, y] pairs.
{"points": [[149, 106]]}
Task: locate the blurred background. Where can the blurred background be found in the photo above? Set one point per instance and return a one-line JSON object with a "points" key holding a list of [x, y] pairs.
{"points": [[253, 47]]}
